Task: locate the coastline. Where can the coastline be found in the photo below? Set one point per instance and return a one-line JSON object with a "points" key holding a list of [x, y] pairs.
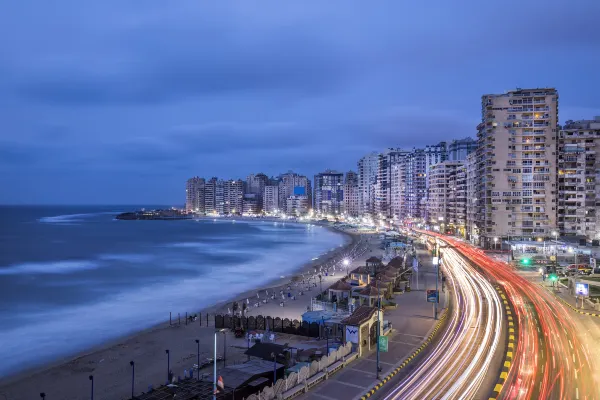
{"points": [[30, 375]]}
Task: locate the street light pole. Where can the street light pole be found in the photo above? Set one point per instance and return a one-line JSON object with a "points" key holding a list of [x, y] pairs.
{"points": [[215, 366], [168, 364], [437, 275], [198, 362], [92, 379], [132, 377], [378, 325]]}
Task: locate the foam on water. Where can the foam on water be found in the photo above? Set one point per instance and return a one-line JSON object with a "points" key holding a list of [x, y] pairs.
{"points": [[71, 218], [56, 267], [60, 331]]}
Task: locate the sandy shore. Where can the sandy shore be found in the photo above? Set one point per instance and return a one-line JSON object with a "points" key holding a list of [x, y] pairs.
{"points": [[109, 363]]}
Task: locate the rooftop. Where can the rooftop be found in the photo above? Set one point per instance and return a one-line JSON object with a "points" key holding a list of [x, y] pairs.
{"points": [[362, 314]]}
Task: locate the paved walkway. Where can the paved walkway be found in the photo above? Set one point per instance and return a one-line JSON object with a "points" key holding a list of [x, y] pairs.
{"points": [[412, 321]]}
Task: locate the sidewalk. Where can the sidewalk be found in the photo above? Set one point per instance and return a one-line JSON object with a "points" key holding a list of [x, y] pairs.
{"points": [[412, 321]]}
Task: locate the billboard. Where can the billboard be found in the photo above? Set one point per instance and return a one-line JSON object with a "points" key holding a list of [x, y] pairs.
{"points": [[432, 296], [299, 191], [582, 289]]}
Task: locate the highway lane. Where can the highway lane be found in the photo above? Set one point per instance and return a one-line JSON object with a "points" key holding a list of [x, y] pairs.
{"points": [[550, 361], [456, 367]]}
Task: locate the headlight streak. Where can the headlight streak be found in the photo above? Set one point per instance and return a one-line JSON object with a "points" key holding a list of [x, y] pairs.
{"points": [[457, 366]]}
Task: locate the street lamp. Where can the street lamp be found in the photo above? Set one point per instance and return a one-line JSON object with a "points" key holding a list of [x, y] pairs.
{"points": [[43, 395], [168, 365], [198, 362], [215, 366], [92, 379], [132, 377], [495, 242], [346, 262]]}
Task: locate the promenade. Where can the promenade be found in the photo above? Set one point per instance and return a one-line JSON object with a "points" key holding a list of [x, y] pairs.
{"points": [[412, 322]]}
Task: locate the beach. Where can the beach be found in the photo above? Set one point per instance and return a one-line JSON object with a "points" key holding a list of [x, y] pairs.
{"points": [[109, 363]]}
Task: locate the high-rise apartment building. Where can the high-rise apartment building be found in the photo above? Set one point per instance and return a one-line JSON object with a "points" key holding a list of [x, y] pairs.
{"points": [[233, 196], [415, 182], [385, 184], [446, 196], [255, 184], [293, 184], [579, 179], [220, 198], [210, 192], [458, 150], [367, 179], [351, 194], [194, 195], [471, 163], [435, 154], [297, 206], [517, 164], [271, 199], [329, 192]]}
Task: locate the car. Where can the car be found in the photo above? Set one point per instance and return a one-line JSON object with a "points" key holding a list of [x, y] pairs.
{"points": [[584, 269]]}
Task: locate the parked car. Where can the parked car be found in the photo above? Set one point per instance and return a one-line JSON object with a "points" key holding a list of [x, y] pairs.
{"points": [[584, 269]]}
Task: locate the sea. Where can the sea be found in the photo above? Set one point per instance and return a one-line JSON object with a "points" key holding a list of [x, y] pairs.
{"points": [[73, 277]]}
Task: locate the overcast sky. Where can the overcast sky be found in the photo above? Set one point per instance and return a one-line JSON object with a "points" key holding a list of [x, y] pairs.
{"points": [[119, 102]]}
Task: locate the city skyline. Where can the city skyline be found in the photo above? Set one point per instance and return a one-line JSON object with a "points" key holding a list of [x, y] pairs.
{"points": [[130, 100]]}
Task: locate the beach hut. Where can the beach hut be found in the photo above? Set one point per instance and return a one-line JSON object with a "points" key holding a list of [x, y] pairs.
{"points": [[361, 275], [361, 328], [396, 262], [369, 295], [373, 264], [340, 290]]}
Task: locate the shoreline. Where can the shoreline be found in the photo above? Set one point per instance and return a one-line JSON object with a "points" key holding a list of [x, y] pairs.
{"points": [[163, 327]]}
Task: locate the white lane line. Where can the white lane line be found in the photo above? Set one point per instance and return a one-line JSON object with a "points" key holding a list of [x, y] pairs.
{"points": [[573, 358], [571, 344], [577, 393], [575, 374]]}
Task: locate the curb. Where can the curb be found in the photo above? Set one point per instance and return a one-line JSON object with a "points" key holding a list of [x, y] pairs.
{"points": [[510, 347], [569, 305], [406, 360]]}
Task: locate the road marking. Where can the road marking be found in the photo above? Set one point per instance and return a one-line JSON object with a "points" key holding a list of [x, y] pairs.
{"points": [[575, 374], [351, 384], [397, 341], [577, 393], [573, 358], [322, 396], [408, 334], [571, 344]]}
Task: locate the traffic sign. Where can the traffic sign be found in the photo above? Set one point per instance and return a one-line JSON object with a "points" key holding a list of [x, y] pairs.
{"points": [[432, 296], [383, 344], [582, 289]]}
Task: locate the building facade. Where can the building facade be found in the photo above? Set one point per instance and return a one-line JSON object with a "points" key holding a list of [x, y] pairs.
{"points": [[233, 196], [579, 179], [329, 193], [210, 192], [385, 184], [472, 233], [194, 195], [293, 184], [297, 206], [271, 199], [367, 180], [458, 150], [517, 165]]}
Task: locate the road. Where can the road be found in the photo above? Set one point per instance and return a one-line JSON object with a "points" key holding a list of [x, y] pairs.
{"points": [[550, 360], [459, 363]]}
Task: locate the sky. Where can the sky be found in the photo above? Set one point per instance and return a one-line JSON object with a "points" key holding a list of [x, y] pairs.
{"points": [[119, 102]]}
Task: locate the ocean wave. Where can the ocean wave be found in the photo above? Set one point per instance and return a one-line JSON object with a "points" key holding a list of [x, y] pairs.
{"points": [[131, 258], [53, 267]]}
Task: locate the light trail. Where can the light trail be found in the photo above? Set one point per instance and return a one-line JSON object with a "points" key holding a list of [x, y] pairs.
{"points": [[550, 360], [457, 366]]}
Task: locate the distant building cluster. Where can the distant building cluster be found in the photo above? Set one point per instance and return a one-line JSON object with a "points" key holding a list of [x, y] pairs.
{"points": [[523, 177]]}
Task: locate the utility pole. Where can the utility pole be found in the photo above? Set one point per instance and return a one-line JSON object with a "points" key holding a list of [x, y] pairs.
{"points": [[378, 325], [437, 276]]}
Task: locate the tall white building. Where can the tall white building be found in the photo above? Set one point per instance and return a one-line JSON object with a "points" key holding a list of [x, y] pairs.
{"points": [[233, 196], [517, 164], [367, 179], [271, 199], [194, 195], [297, 205], [210, 196], [446, 196], [384, 185], [579, 179], [255, 184]]}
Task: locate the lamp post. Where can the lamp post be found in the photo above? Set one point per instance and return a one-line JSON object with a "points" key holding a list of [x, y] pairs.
{"points": [[168, 364], [378, 325], [495, 243], [326, 333], [132, 377], [43, 395], [215, 366], [346, 262], [555, 234], [321, 285], [198, 362], [92, 379], [274, 368]]}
